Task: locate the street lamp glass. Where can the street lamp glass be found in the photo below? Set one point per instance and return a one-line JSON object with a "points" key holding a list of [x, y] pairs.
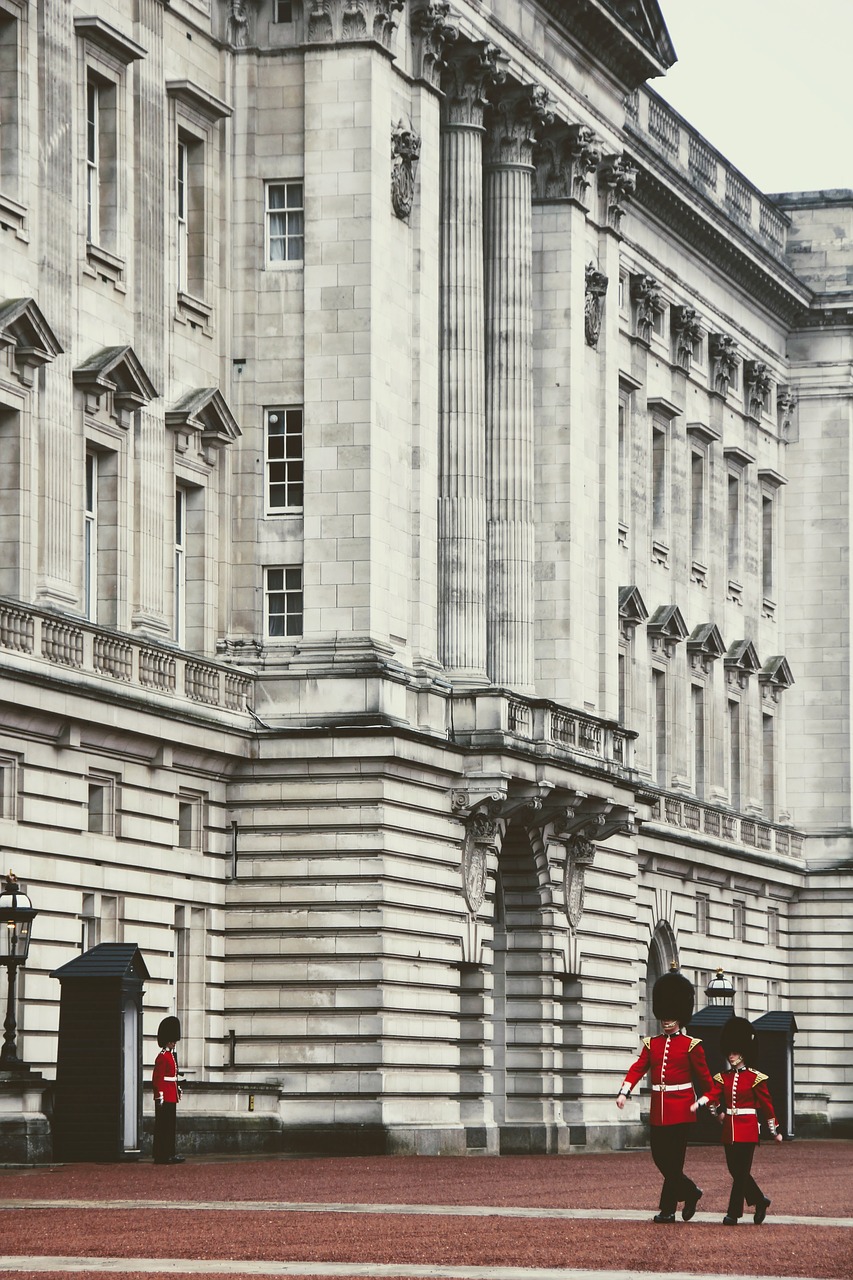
{"points": [[16, 917]]}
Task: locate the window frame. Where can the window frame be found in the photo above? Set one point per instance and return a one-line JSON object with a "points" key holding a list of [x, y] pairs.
{"points": [[288, 593], [285, 210], [271, 464]]}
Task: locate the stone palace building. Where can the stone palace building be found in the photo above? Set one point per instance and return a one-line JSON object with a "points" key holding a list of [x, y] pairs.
{"points": [[425, 498]]}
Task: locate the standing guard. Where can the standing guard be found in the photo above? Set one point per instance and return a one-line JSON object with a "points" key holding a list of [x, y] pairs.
{"points": [[741, 1093], [167, 1092], [674, 1059]]}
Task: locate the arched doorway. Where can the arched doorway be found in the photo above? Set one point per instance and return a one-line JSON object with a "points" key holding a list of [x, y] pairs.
{"points": [[663, 953]]}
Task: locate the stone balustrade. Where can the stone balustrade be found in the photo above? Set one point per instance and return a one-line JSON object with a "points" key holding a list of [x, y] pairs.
{"points": [[704, 819], [131, 660], [480, 716], [671, 136]]}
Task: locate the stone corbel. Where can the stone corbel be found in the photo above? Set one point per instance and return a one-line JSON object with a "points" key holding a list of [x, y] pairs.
{"points": [[687, 334], [405, 152], [584, 151], [618, 181], [786, 407], [513, 125], [432, 33], [645, 294], [595, 288]]}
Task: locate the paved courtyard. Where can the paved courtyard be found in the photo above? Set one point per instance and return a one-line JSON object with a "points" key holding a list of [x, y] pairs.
{"points": [[512, 1218]]}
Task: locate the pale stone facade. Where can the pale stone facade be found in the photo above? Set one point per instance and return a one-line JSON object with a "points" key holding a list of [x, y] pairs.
{"points": [[423, 594]]}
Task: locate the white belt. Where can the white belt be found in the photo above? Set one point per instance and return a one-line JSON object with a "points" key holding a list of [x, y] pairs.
{"points": [[669, 1088], [175, 1078], [741, 1111]]}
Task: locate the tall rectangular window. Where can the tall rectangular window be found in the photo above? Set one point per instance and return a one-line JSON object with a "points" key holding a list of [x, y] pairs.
{"points": [[624, 458], [703, 911], [738, 920], [101, 805], [284, 602], [734, 755], [284, 459], [768, 766], [697, 506], [734, 526], [181, 203], [285, 221], [93, 180], [772, 927], [190, 820], [697, 697], [190, 213], [660, 481], [180, 566], [660, 726], [767, 547], [102, 201], [8, 787], [90, 540], [10, 121]]}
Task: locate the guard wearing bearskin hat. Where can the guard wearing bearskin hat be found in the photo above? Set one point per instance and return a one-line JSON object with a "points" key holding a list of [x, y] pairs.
{"points": [[167, 1092], [740, 1095], [674, 1060]]}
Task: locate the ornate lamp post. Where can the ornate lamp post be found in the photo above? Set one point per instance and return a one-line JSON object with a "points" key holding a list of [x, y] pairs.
{"points": [[720, 990], [16, 917]]}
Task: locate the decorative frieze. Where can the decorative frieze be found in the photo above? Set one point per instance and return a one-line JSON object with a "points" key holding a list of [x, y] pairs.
{"points": [[353, 20], [646, 297], [405, 152], [757, 385], [433, 32], [687, 333], [724, 362], [618, 181], [595, 289]]}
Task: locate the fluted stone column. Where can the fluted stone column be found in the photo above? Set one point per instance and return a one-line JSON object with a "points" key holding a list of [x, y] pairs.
{"points": [[60, 463], [509, 389], [462, 491]]}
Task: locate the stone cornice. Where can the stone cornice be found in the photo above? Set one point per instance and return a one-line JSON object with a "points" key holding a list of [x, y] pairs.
{"points": [[608, 38], [747, 263]]}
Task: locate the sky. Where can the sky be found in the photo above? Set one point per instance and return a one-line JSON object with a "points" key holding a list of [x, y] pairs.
{"points": [[769, 83]]}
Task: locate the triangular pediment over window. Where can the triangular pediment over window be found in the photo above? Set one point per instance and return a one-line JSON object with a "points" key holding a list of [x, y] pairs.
{"points": [[629, 37], [776, 672], [706, 642], [667, 623], [23, 327], [741, 657], [205, 410], [116, 370], [632, 608]]}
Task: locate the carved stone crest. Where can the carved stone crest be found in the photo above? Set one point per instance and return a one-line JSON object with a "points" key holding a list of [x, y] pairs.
{"points": [[405, 151], [593, 311], [580, 854], [479, 840]]}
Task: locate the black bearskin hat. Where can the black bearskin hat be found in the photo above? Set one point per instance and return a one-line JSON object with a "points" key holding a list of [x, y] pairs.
{"points": [[169, 1031], [672, 998], [737, 1036]]}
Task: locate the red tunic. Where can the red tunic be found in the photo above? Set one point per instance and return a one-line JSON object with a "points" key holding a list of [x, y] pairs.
{"points": [[165, 1077], [744, 1094], [674, 1061]]}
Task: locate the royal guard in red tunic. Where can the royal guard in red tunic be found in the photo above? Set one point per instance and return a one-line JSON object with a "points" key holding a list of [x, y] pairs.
{"points": [[740, 1095], [674, 1060], [167, 1092]]}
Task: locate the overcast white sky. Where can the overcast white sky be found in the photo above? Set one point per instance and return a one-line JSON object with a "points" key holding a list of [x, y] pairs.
{"points": [[770, 84]]}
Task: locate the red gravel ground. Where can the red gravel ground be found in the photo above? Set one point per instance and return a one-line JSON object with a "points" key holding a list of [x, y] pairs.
{"points": [[802, 1178]]}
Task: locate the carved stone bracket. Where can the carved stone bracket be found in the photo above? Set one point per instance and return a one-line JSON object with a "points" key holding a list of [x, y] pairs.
{"points": [[645, 294], [513, 124], [353, 20], [618, 181], [595, 288], [758, 384], [564, 160], [724, 362], [432, 33], [786, 407], [686, 334], [470, 77], [405, 151]]}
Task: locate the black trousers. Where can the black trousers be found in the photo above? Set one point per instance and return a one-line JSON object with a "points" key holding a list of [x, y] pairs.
{"points": [[165, 1117], [744, 1187], [669, 1147]]}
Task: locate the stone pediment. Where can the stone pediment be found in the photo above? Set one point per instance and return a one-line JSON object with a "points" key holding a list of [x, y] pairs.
{"points": [[116, 371], [705, 645], [24, 328], [628, 36], [741, 661], [632, 607], [775, 675], [667, 622], [204, 410]]}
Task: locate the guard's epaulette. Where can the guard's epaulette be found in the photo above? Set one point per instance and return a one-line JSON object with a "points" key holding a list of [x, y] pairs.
{"points": [[692, 1045], [759, 1077], [647, 1041], [719, 1079]]}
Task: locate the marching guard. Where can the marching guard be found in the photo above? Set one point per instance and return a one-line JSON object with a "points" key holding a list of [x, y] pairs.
{"points": [[740, 1095], [674, 1060]]}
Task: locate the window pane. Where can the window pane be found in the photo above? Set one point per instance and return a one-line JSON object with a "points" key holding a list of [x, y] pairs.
{"points": [[275, 197], [294, 195]]}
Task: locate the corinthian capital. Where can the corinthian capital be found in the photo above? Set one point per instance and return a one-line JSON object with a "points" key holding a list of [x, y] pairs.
{"points": [[432, 33], [471, 76], [353, 20], [513, 123], [564, 160]]}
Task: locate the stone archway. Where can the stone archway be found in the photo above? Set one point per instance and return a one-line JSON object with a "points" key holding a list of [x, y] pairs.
{"points": [[663, 953]]}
